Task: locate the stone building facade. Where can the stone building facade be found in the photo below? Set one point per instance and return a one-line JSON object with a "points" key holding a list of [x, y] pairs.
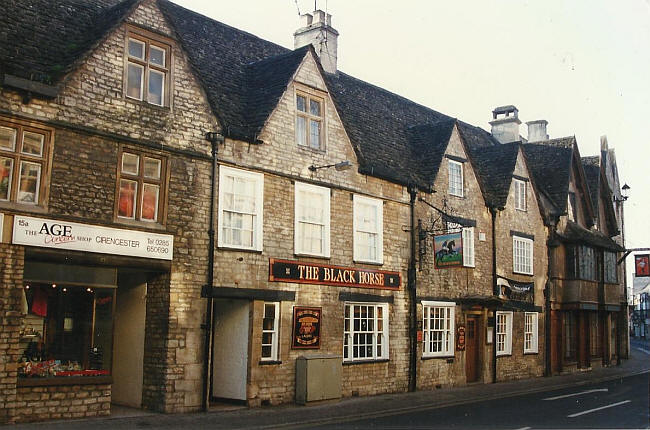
{"points": [[191, 214]]}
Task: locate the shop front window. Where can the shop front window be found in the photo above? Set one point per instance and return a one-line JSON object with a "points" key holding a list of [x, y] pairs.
{"points": [[67, 331]]}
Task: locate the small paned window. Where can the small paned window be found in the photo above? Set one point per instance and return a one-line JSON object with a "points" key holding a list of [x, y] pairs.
{"points": [[438, 329], [594, 335], [530, 332], [365, 333], [368, 229], [24, 152], [611, 275], [147, 70], [522, 255], [309, 121], [141, 186], [312, 220], [504, 333], [520, 195], [270, 330], [587, 263], [455, 178], [468, 246], [241, 205]]}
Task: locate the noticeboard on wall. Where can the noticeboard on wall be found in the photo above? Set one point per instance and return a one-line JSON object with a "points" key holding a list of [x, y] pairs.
{"points": [[306, 327]]}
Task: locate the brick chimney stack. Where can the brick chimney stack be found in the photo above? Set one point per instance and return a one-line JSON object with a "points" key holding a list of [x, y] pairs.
{"points": [[316, 28]]}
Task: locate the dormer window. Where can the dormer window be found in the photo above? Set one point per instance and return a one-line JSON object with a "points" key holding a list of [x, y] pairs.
{"points": [[455, 178], [147, 70], [520, 194], [309, 121]]}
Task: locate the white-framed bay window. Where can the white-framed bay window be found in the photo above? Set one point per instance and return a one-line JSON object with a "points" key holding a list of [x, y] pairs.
{"points": [[365, 332], [522, 255], [368, 224], [530, 332], [455, 178], [520, 194], [504, 333], [241, 207], [270, 331], [312, 220], [438, 329]]}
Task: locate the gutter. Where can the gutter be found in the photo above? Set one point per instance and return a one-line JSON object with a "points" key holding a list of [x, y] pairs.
{"points": [[214, 139], [412, 289]]}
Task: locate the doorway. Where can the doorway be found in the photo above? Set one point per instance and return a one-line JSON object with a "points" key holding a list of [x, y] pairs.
{"points": [[472, 349], [230, 349]]}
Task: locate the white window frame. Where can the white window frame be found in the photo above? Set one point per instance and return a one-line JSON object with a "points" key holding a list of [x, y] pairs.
{"points": [[531, 333], [468, 247], [275, 344], [324, 193], [348, 335], [258, 222], [451, 189], [309, 118], [503, 330], [448, 330], [520, 195], [378, 232], [518, 262]]}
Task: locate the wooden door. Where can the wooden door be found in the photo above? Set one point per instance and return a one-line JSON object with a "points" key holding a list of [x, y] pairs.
{"points": [[472, 349]]}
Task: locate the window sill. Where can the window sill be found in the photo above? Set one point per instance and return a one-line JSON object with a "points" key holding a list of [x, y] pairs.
{"points": [[269, 362], [310, 149], [143, 224], [381, 360], [448, 358], [504, 354], [22, 207], [457, 196], [523, 274], [143, 103], [370, 263], [235, 249], [64, 380], [531, 352]]}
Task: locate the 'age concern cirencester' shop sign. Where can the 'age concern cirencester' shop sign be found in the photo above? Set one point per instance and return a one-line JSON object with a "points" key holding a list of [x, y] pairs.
{"points": [[83, 237]]}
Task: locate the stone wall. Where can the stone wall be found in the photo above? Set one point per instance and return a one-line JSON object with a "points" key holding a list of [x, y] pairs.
{"points": [[11, 278], [62, 401]]}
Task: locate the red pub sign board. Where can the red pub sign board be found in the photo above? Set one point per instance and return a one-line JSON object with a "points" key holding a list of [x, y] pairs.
{"points": [[311, 273]]}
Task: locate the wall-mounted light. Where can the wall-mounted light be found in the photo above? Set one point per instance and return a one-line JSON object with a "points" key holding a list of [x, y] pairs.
{"points": [[343, 165], [625, 193]]}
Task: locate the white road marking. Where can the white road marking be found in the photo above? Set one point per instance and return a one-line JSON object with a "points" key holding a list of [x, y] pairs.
{"points": [[525, 428], [599, 409], [642, 350], [577, 394]]}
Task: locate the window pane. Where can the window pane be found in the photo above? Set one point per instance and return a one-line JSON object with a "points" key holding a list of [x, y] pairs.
{"points": [[151, 168], [134, 81], [126, 199], [156, 87], [156, 56], [314, 107], [6, 170], [30, 178], [314, 134], [32, 143], [7, 138], [301, 130], [301, 103], [136, 49], [130, 163], [150, 202]]}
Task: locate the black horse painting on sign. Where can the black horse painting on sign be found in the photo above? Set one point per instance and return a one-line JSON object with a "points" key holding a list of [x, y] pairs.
{"points": [[448, 250]]}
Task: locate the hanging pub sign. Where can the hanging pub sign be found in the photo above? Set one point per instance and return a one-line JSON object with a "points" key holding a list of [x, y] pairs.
{"points": [[311, 273], [460, 338], [448, 250], [642, 265], [306, 328]]}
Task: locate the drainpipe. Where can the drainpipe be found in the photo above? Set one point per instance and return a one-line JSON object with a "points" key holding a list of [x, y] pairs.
{"points": [[214, 139], [550, 269], [413, 335], [493, 212]]}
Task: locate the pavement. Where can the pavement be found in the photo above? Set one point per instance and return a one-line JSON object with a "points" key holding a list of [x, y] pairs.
{"points": [[355, 408]]}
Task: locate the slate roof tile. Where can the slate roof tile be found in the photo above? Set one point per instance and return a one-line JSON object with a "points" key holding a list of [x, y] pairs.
{"points": [[495, 166], [550, 164]]}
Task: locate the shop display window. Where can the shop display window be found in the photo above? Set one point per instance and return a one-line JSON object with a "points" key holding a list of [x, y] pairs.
{"points": [[67, 331]]}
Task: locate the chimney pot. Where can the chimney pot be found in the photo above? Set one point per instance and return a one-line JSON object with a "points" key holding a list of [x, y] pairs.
{"points": [[505, 124], [537, 130], [306, 19]]}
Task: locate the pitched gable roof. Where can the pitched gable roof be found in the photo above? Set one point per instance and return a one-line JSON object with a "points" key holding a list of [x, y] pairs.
{"points": [[42, 41], [550, 165], [495, 166], [591, 167]]}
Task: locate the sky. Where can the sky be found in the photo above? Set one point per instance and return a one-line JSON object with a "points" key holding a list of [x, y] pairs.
{"points": [[582, 65]]}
